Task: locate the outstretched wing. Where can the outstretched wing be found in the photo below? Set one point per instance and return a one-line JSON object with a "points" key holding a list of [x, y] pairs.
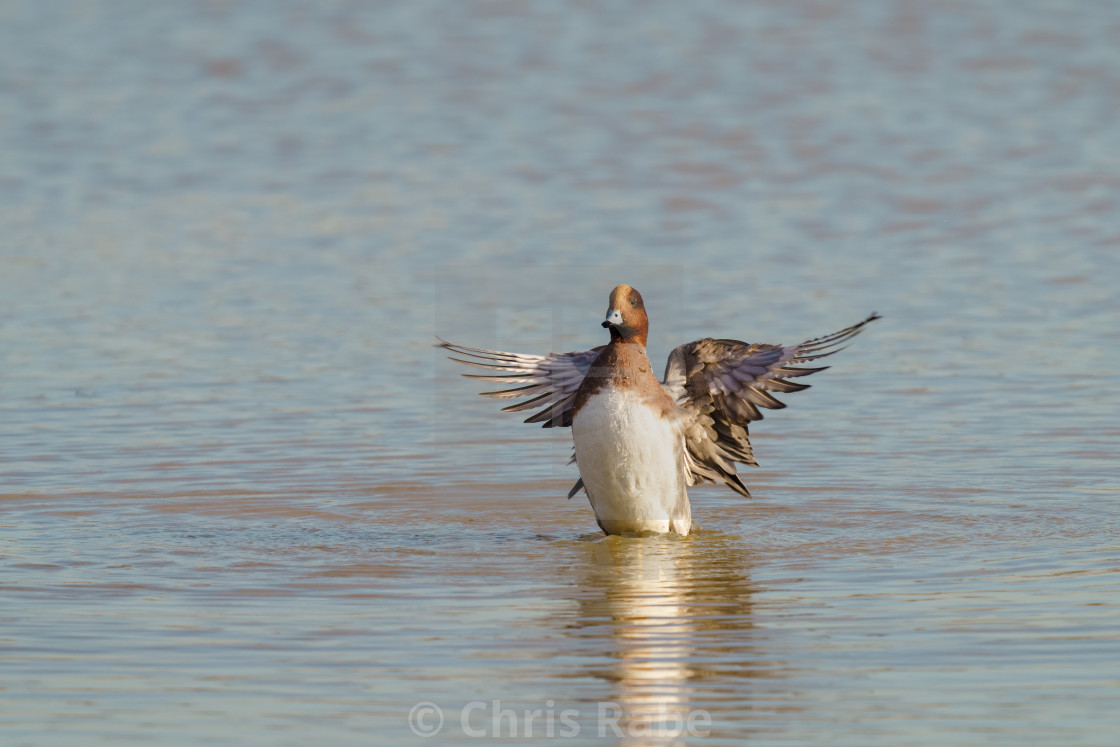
{"points": [[721, 384], [549, 381]]}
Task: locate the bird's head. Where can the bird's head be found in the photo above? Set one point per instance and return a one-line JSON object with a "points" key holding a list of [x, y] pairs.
{"points": [[626, 316]]}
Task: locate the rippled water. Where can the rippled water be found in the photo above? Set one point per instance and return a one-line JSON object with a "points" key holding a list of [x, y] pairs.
{"points": [[243, 500]]}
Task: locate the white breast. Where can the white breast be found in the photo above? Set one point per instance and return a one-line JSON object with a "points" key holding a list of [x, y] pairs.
{"points": [[632, 463]]}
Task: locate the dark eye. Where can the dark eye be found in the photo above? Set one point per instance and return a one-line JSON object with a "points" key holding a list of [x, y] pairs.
{"points": [[636, 302]]}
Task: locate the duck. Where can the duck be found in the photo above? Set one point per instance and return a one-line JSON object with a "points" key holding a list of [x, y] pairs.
{"points": [[640, 443]]}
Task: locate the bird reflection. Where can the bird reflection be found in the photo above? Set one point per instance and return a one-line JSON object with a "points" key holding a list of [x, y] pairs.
{"points": [[660, 598]]}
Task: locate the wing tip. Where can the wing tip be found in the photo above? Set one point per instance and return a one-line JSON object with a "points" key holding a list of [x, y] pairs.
{"points": [[737, 485]]}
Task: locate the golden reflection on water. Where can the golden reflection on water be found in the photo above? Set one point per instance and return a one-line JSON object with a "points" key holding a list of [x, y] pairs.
{"points": [[660, 598]]}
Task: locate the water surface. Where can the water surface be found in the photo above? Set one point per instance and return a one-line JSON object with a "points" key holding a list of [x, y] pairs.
{"points": [[243, 500]]}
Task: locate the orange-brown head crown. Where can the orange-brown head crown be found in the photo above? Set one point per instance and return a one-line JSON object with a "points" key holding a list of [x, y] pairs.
{"points": [[626, 316]]}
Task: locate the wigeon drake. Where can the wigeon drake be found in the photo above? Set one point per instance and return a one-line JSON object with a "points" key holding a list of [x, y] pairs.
{"points": [[639, 443]]}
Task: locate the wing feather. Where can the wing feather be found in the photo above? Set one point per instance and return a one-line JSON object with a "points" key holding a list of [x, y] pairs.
{"points": [[550, 381], [720, 386]]}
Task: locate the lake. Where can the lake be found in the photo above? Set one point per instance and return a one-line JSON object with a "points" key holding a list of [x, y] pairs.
{"points": [[245, 500]]}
